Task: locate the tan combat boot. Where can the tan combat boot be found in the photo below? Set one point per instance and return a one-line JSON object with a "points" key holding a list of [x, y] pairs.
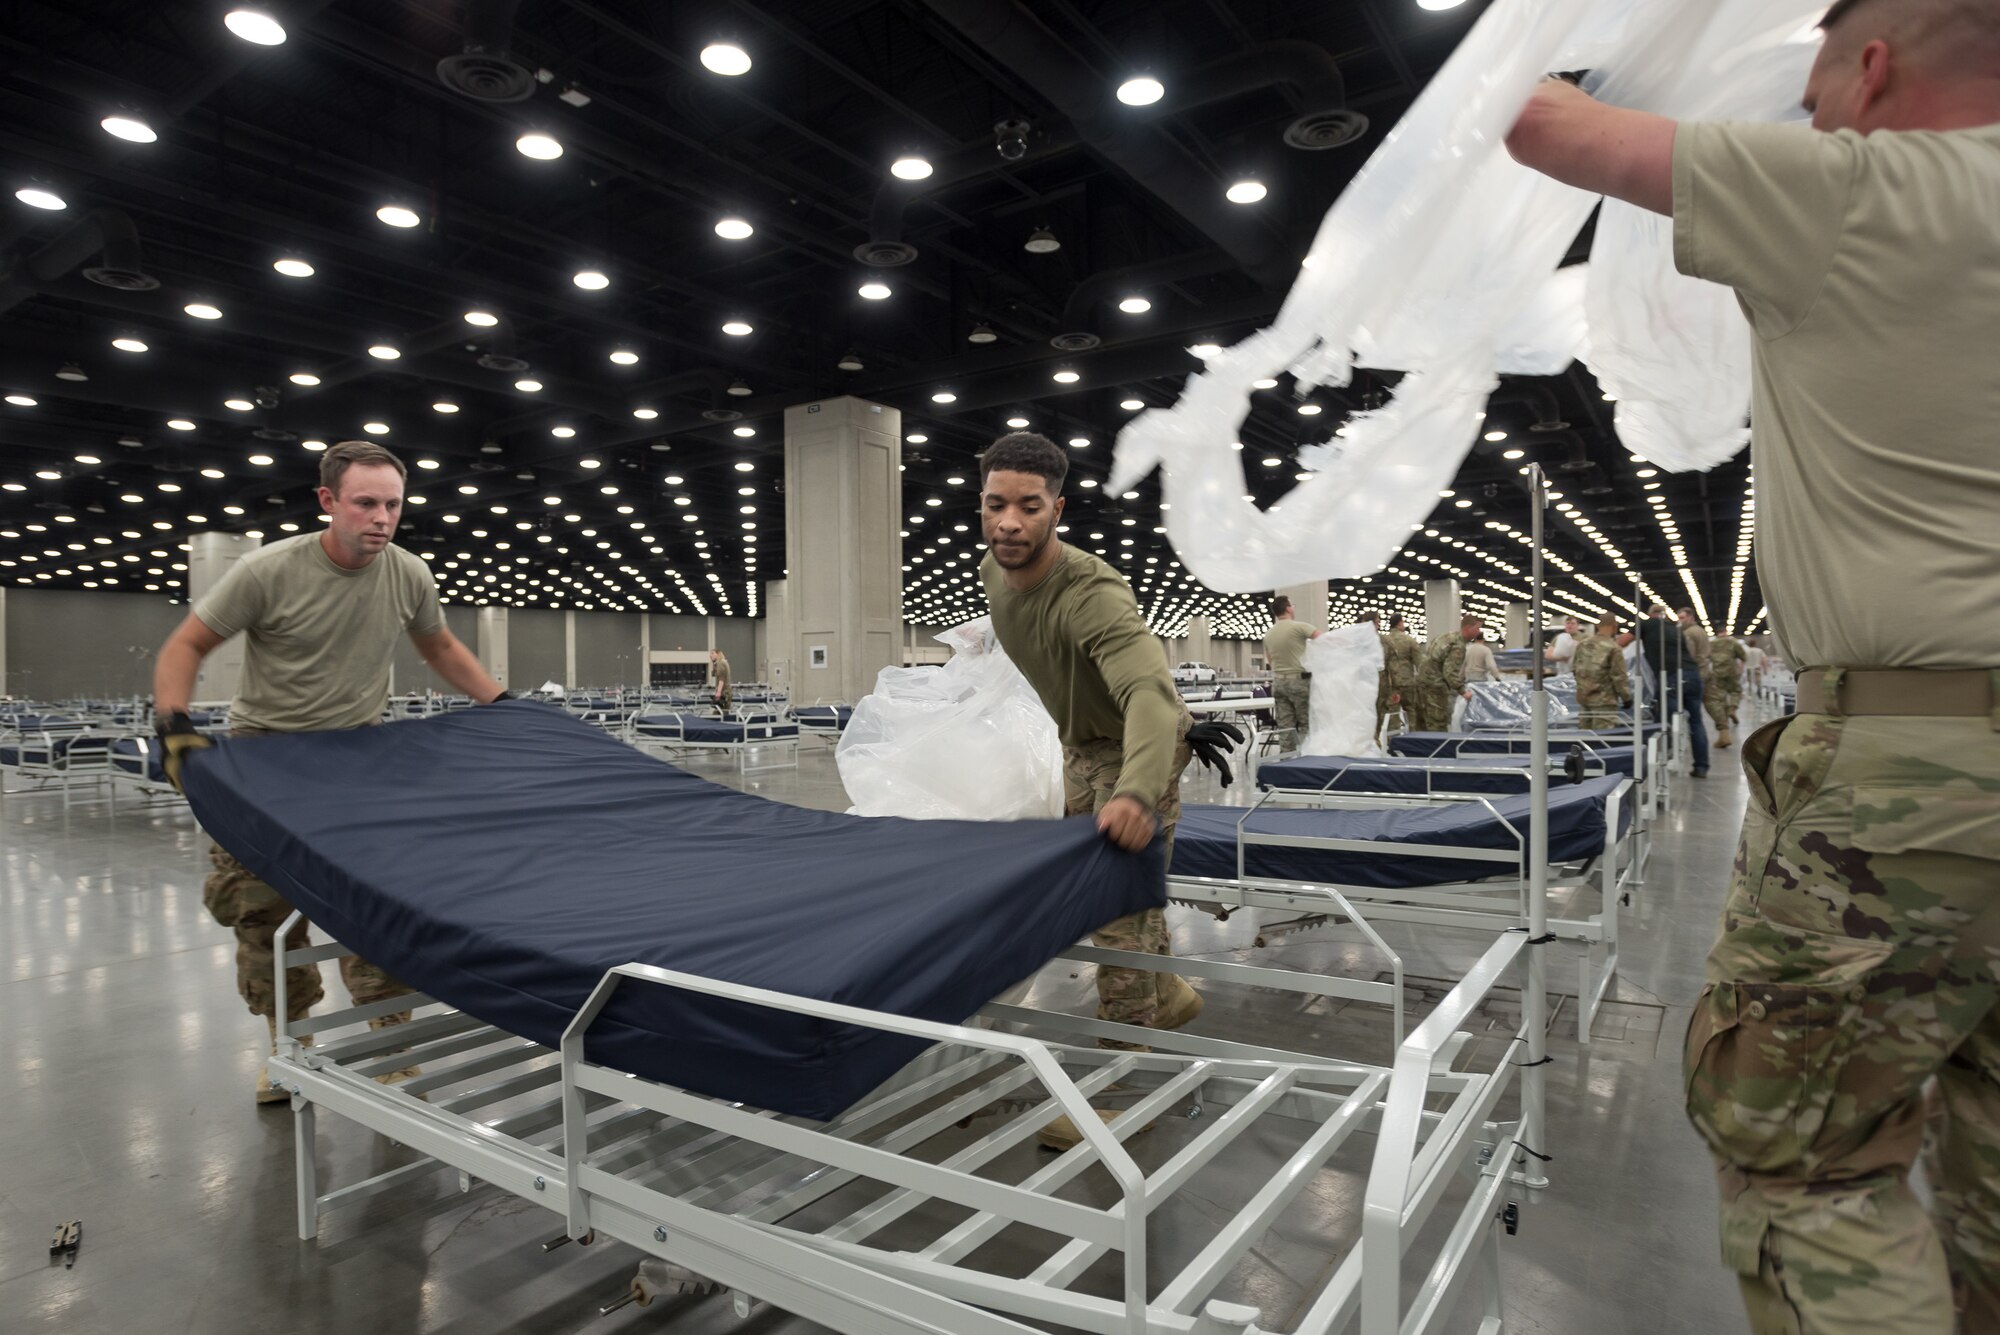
{"points": [[1725, 740], [266, 1091], [407, 1072], [1178, 1002]]}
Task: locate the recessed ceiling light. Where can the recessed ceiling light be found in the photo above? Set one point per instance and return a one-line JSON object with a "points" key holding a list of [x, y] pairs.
{"points": [[1066, 377], [744, 432], [180, 424], [874, 290], [745, 467], [1018, 423], [539, 146], [1132, 405], [528, 386], [444, 406], [1266, 382], [982, 334], [726, 59], [944, 396], [1135, 305], [385, 352], [624, 357], [1512, 454], [37, 198], [734, 229], [128, 345], [590, 280], [88, 459], [1205, 350], [292, 268], [202, 311], [1310, 410], [261, 460], [1496, 435], [213, 473], [254, 25], [316, 446], [484, 319], [396, 215], [129, 128], [303, 378], [590, 463], [1141, 91], [645, 414], [736, 328], [911, 168], [1245, 192], [376, 428], [562, 432], [238, 405]]}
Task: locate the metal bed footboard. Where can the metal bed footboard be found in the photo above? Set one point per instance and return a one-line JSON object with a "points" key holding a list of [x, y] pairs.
{"points": [[723, 1190], [671, 739]]}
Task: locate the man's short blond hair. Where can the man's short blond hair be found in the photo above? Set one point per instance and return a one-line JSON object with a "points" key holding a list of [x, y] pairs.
{"points": [[333, 465], [1946, 38]]}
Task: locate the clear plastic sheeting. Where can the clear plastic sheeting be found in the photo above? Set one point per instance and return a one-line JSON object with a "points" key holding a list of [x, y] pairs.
{"points": [[1440, 260], [966, 741], [1346, 668], [1505, 705]]}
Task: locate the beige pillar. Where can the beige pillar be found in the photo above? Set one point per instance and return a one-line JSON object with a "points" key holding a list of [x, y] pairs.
{"points": [[210, 557], [493, 641], [1309, 603], [1199, 647], [1441, 610], [843, 509], [779, 636], [1517, 625]]}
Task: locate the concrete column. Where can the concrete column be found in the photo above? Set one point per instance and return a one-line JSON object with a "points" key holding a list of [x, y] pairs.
{"points": [[780, 636], [493, 641], [646, 650], [1517, 624], [1309, 603], [1441, 611], [1199, 647], [843, 509], [569, 651], [3, 644], [210, 557]]}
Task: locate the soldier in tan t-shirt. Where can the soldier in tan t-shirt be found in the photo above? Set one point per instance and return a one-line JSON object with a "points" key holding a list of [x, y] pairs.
{"points": [[1291, 689], [1855, 965], [320, 615]]}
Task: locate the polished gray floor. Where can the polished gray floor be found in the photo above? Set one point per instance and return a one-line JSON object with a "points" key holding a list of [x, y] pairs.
{"points": [[129, 1062]]}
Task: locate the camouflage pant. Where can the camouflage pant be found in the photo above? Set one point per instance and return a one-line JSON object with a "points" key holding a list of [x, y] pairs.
{"points": [[1597, 715], [1856, 963], [237, 899], [1732, 695], [1715, 699], [1291, 698], [1433, 709], [1090, 779], [724, 700]]}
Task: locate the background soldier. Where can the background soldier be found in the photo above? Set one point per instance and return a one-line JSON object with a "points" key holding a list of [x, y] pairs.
{"points": [[1401, 656], [1725, 660], [1601, 683], [1291, 691], [718, 666], [1441, 676]]}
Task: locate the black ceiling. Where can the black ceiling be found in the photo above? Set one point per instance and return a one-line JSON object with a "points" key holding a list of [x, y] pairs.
{"points": [[288, 151]]}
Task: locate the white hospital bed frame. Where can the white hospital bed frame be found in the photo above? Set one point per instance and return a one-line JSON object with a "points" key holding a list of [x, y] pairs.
{"points": [[755, 736]]}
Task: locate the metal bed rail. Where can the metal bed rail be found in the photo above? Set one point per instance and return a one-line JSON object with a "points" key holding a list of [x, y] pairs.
{"points": [[667, 735]]}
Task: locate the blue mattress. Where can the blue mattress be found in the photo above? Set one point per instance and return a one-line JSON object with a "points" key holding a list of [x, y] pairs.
{"points": [[695, 728], [1418, 774], [821, 718], [1205, 839], [1615, 749], [503, 858], [130, 755]]}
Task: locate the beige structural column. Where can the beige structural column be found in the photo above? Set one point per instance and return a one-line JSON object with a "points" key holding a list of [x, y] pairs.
{"points": [[210, 557], [1517, 625], [1308, 603], [493, 641], [779, 636], [843, 559], [1199, 648], [1440, 607], [569, 651], [3, 643]]}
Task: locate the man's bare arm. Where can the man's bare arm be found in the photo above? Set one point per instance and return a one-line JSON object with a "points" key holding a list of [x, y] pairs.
{"points": [[1566, 133], [179, 662], [447, 656]]}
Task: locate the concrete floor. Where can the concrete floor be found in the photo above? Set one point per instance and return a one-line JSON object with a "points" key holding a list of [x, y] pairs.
{"points": [[129, 1063]]}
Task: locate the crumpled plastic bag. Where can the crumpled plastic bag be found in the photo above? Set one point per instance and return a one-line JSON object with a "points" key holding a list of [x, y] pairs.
{"points": [[1432, 260], [1508, 705], [969, 740], [1346, 667]]}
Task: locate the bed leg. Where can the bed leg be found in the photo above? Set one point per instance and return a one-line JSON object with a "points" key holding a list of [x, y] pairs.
{"points": [[1586, 995], [304, 1143]]}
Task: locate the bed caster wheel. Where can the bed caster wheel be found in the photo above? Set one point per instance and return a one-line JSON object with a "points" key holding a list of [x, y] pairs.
{"points": [[1259, 943], [1626, 899], [1510, 1219], [1194, 1112]]}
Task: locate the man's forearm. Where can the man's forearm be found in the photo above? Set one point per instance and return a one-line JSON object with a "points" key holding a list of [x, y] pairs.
{"points": [[464, 673], [174, 673], [1565, 133]]}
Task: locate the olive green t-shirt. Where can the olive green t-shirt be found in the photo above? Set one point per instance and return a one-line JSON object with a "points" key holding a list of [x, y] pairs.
{"points": [[1285, 646], [1869, 268], [318, 638], [720, 669], [1079, 640]]}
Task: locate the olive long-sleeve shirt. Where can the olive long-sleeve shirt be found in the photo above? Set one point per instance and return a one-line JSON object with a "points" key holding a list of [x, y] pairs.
{"points": [[1079, 640]]}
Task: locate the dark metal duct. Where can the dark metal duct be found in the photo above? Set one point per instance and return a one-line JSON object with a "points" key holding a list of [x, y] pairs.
{"points": [[106, 233], [1538, 399], [1324, 120], [885, 247], [483, 68], [1016, 39], [1076, 330]]}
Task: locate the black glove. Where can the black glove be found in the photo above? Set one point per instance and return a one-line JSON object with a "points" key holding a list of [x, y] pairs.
{"points": [[177, 737], [1212, 742]]}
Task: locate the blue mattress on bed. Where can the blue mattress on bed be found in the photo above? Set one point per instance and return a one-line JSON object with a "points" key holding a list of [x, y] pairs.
{"points": [[138, 758], [503, 858], [824, 717], [1615, 749], [1205, 839], [1420, 774], [695, 728]]}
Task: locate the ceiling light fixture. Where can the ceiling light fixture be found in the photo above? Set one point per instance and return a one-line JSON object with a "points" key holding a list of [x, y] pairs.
{"points": [[1132, 405], [874, 290], [743, 432], [129, 128], [1018, 422], [725, 59], [849, 361], [1141, 91], [180, 424], [737, 328], [562, 432], [738, 389], [734, 229], [590, 280], [1245, 192], [239, 405], [982, 334], [645, 414], [1041, 241], [624, 357], [254, 25], [944, 396], [444, 406], [376, 428], [483, 319], [528, 386], [1135, 305], [910, 168], [303, 378], [128, 345], [385, 352], [21, 400], [202, 311], [292, 268], [1205, 350], [541, 147], [396, 215], [1066, 377]]}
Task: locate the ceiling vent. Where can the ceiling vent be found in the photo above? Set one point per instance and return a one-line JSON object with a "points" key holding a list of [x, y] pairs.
{"points": [[500, 361], [487, 76], [1077, 341], [885, 254], [125, 280], [1326, 129], [722, 414]]}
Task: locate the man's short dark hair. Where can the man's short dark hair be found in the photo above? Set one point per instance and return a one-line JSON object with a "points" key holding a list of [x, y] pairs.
{"points": [[1373, 618], [1469, 620], [1026, 452], [333, 465], [1396, 621], [1279, 606]]}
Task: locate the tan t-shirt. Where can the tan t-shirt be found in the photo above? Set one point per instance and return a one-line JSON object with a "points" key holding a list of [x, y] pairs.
{"points": [[1285, 645], [318, 639], [1870, 269]]}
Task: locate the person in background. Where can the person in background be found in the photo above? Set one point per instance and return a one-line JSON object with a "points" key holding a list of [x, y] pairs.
{"points": [[1480, 665], [718, 671], [1699, 645], [1666, 652], [320, 615], [1563, 648], [1855, 966], [1725, 663], [1291, 689], [1601, 684], [1401, 655], [1441, 675]]}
